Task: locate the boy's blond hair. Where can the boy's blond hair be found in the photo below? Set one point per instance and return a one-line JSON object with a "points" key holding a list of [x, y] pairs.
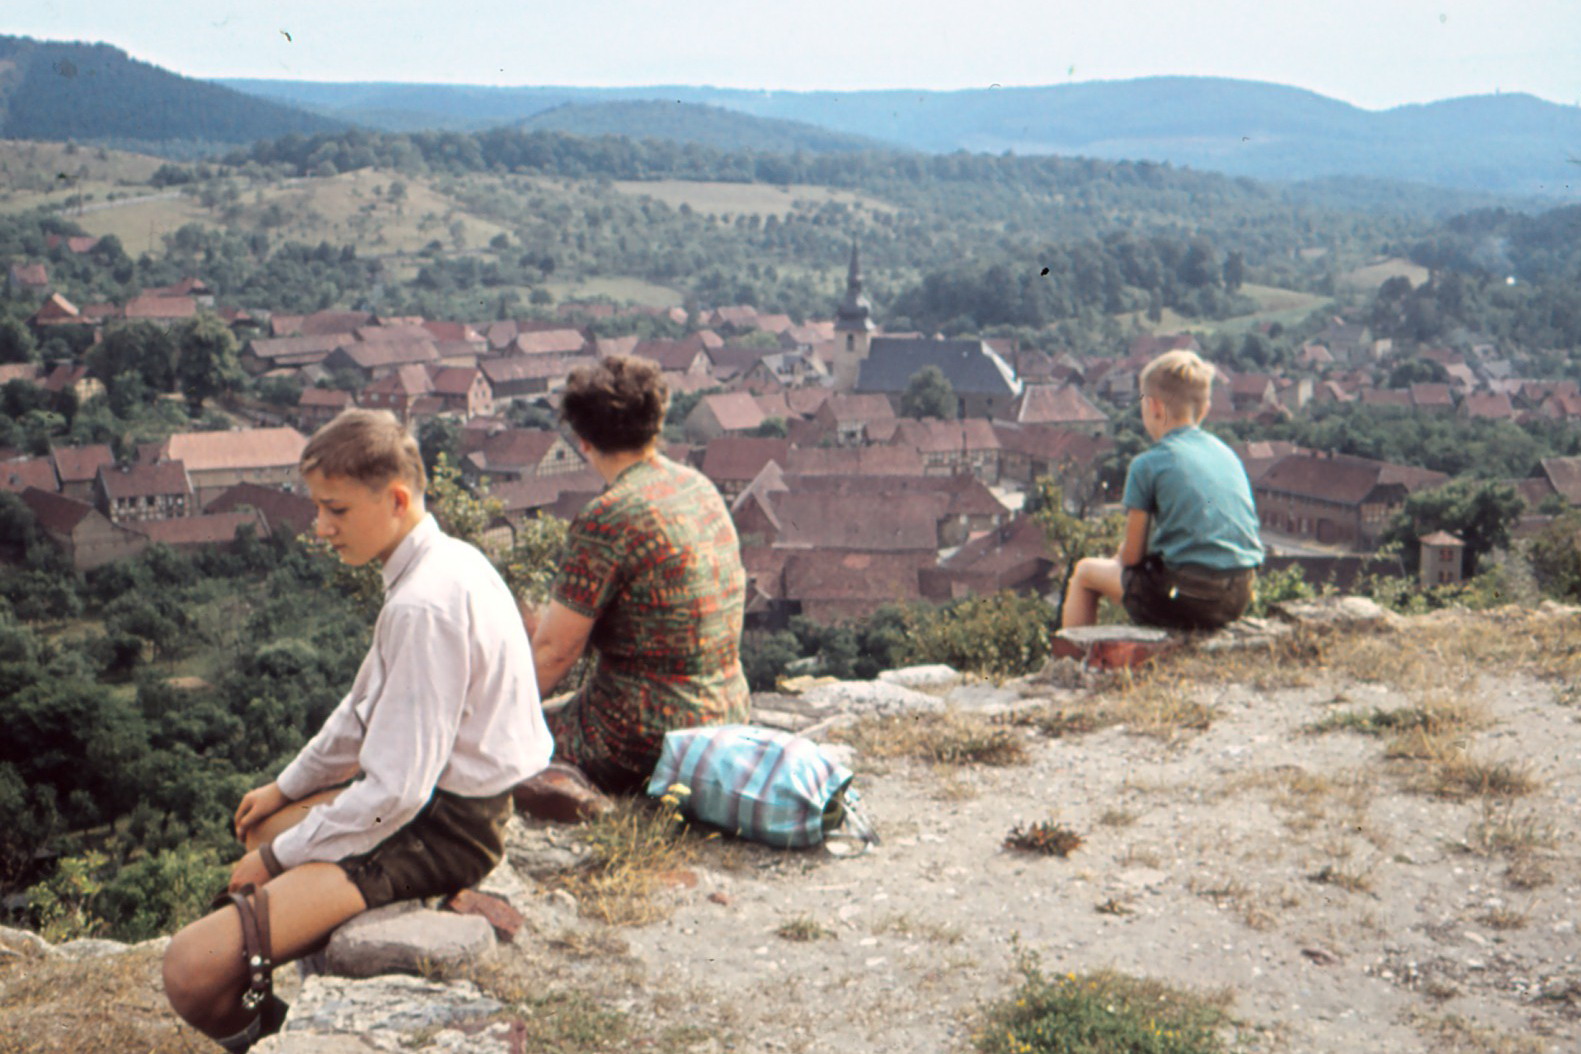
{"points": [[369, 446], [1181, 381]]}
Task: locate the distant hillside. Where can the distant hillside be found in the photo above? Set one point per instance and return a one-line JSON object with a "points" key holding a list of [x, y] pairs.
{"points": [[1504, 144], [693, 123], [96, 93]]}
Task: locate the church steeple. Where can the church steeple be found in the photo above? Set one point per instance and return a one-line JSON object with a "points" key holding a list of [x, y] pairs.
{"points": [[853, 327]]}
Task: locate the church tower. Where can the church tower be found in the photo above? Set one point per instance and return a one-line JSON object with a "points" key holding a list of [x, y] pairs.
{"points": [[853, 328]]}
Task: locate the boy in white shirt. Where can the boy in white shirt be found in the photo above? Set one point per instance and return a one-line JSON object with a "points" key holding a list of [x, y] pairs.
{"points": [[442, 721]]}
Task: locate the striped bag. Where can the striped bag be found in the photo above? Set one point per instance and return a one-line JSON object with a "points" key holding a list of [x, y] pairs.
{"points": [[760, 784]]}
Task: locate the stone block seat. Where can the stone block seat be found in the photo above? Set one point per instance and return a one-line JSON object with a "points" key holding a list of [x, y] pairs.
{"points": [[1126, 646]]}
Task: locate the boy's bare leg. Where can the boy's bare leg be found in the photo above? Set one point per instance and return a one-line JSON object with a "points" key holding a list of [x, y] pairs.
{"points": [[1094, 577], [203, 970]]}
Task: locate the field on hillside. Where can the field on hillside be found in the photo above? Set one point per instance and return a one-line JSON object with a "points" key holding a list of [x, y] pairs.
{"points": [[34, 174], [1372, 275], [738, 199], [618, 289], [354, 208], [1284, 306]]}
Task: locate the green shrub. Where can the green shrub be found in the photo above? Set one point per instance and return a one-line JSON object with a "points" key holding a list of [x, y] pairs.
{"points": [[999, 635]]}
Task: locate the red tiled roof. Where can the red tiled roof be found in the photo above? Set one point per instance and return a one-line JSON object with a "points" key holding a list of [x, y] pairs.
{"points": [[516, 448], [19, 474], [281, 509], [320, 323], [857, 408], [1565, 475], [453, 331], [218, 528], [384, 354], [544, 492], [80, 464], [939, 437], [817, 519], [669, 354], [1431, 395], [734, 411], [238, 449], [855, 461], [454, 380], [63, 376], [1052, 443], [1386, 397], [56, 512], [874, 578], [1055, 404], [160, 307], [56, 309], [550, 342], [33, 274], [324, 398], [1494, 405], [1348, 480], [144, 481], [735, 458]]}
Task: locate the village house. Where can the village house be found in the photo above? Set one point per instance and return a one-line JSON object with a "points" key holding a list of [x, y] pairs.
{"points": [[732, 462], [561, 342], [26, 280], [83, 533], [262, 355], [516, 453], [372, 359], [1337, 499], [78, 467], [1490, 406], [854, 461], [216, 461], [316, 407], [212, 530], [1061, 405], [725, 413], [318, 324], [528, 377], [133, 493], [1432, 398], [21, 473], [281, 510], [1014, 556], [951, 447], [1564, 476], [688, 357], [983, 382], [1070, 458], [161, 310], [834, 587], [855, 420], [56, 310]]}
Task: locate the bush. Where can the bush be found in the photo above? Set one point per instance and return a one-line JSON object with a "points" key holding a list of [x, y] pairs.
{"points": [[1555, 556], [1001, 635]]}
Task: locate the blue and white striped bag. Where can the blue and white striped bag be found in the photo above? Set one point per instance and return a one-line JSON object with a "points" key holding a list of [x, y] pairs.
{"points": [[760, 784]]}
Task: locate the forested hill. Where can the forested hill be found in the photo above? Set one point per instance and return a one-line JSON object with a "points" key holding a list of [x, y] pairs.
{"points": [[694, 123], [1502, 143], [97, 93]]}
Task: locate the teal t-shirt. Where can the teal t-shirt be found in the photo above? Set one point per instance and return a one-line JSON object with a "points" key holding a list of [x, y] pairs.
{"points": [[1196, 491]]}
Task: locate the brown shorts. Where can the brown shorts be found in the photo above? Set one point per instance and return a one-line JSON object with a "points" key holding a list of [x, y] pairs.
{"points": [[450, 845], [1187, 596]]}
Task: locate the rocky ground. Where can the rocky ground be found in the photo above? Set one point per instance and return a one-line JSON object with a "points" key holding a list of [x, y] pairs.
{"points": [[1401, 881]]}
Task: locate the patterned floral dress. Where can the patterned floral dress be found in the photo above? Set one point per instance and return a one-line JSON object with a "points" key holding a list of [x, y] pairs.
{"points": [[654, 560]]}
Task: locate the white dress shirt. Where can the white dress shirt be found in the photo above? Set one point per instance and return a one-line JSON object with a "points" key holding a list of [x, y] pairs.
{"points": [[446, 698]]}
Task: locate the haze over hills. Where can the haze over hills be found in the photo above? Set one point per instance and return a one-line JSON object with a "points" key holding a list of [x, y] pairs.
{"points": [[1504, 144], [696, 123]]}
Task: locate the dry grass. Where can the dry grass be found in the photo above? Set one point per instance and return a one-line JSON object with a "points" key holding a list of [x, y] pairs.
{"points": [[1350, 879], [945, 738], [910, 926], [1046, 837], [43, 1009], [1510, 832], [637, 849], [1504, 919], [1459, 776], [804, 928], [1456, 1035]]}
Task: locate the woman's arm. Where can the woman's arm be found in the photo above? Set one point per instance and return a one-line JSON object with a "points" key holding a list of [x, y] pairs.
{"points": [[560, 639]]}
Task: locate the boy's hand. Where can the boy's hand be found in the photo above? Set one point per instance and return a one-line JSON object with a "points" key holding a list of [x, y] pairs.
{"points": [[249, 869], [258, 805]]}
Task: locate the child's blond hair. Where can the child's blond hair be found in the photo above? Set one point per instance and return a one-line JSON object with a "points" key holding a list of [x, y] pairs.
{"points": [[1181, 381], [369, 446]]}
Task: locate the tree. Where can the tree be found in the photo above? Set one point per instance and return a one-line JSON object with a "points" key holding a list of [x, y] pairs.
{"points": [[138, 348], [1481, 513], [929, 394], [1556, 557], [206, 359], [1072, 536], [16, 343]]}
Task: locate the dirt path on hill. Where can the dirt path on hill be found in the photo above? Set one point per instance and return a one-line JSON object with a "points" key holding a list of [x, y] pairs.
{"points": [[1346, 906]]}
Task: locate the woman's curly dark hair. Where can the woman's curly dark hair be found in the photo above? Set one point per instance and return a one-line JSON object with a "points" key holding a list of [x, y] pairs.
{"points": [[617, 404]]}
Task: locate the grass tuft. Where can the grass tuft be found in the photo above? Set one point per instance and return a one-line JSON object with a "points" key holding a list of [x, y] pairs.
{"points": [[804, 928], [636, 849], [1099, 1013]]}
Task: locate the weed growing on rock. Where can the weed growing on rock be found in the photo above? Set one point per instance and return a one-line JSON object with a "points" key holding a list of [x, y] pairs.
{"points": [[1101, 1012], [635, 847], [1045, 836]]}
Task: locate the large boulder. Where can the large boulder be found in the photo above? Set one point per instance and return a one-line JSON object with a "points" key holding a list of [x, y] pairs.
{"points": [[406, 937]]}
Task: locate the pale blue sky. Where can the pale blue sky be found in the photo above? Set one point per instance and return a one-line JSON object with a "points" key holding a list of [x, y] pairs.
{"points": [[1373, 53]]}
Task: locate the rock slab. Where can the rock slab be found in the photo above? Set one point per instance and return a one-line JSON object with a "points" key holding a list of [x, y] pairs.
{"points": [[407, 938]]}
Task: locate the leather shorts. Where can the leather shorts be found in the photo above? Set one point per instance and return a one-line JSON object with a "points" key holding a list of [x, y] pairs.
{"points": [[1186, 596], [451, 844]]}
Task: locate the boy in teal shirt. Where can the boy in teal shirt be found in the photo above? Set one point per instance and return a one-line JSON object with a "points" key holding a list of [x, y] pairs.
{"points": [[1191, 548]]}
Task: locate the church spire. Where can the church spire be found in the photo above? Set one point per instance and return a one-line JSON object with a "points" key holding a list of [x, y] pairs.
{"points": [[855, 311]]}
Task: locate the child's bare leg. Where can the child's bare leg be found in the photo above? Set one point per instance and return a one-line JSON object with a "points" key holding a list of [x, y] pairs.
{"points": [[1094, 577], [203, 970]]}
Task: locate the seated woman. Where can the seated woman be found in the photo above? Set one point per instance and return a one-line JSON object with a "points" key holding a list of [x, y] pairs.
{"points": [[652, 580]]}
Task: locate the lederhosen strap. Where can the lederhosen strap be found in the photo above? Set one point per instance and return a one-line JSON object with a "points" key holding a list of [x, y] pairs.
{"points": [[254, 914]]}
